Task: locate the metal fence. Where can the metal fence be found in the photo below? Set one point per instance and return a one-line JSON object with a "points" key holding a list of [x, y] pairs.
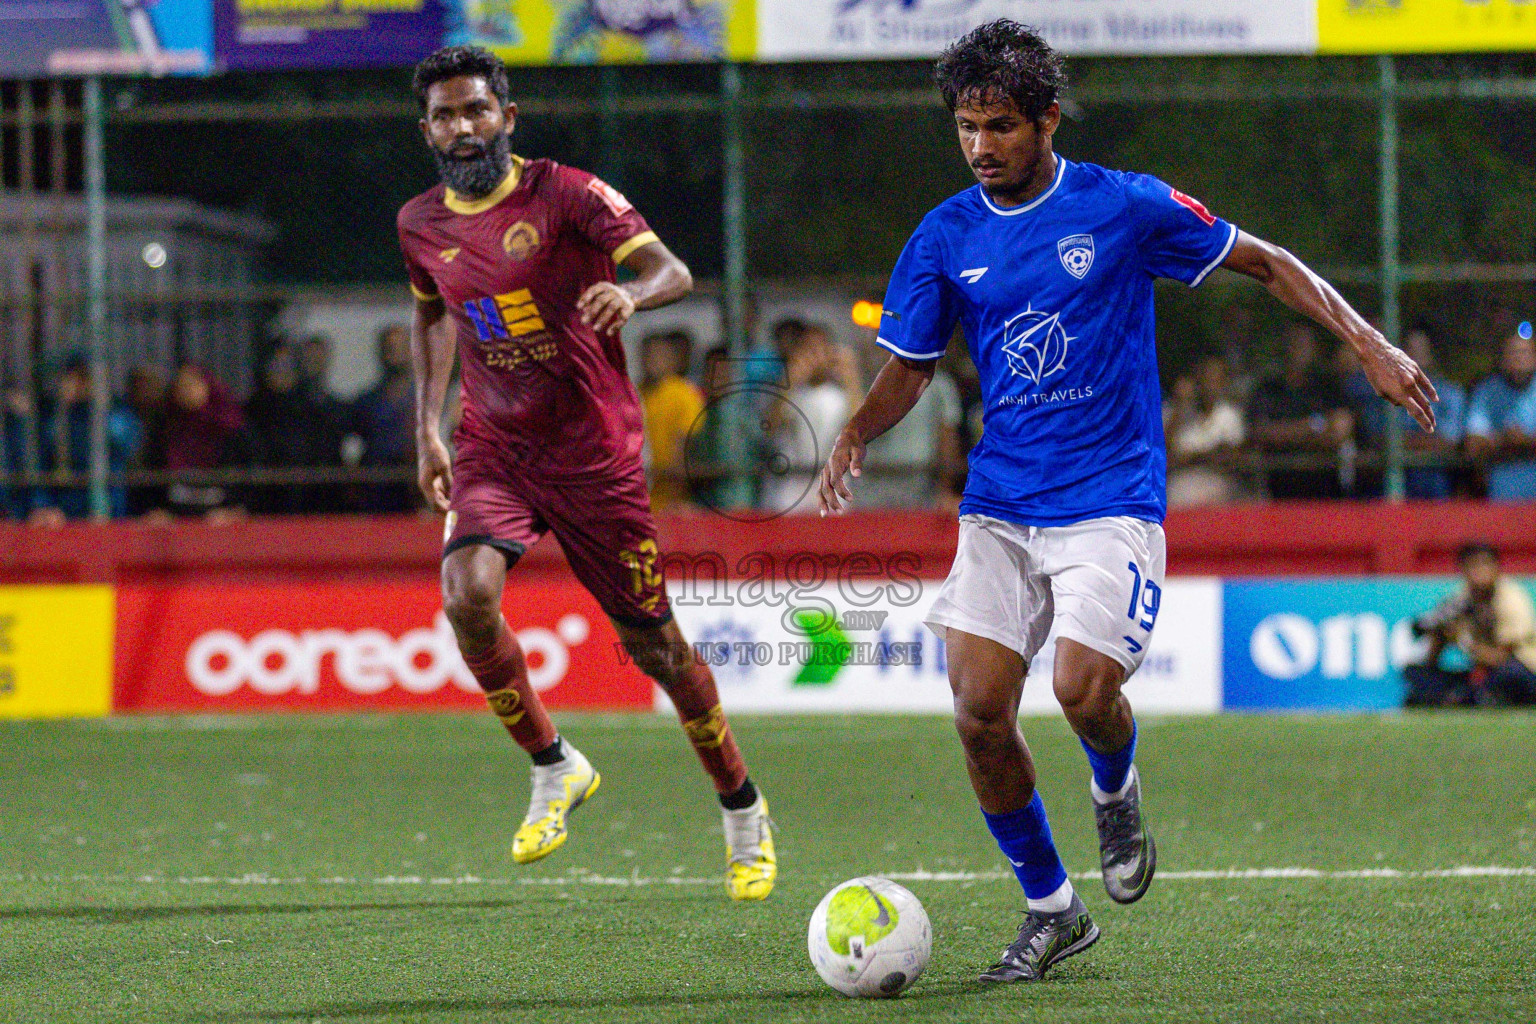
{"points": [[755, 158]]}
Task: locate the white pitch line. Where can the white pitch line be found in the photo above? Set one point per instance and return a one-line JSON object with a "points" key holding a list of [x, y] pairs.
{"points": [[1240, 874], [637, 880]]}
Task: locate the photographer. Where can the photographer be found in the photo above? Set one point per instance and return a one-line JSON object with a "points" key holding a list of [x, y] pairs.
{"points": [[1492, 621]]}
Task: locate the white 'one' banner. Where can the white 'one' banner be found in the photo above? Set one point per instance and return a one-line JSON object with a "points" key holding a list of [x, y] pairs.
{"points": [[764, 660], [829, 29]]}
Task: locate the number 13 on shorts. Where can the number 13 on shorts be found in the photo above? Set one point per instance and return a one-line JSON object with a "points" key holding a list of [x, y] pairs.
{"points": [[1146, 598]]}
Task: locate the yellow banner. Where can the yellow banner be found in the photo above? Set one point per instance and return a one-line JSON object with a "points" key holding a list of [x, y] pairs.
{"points": [[56, 651], [1425, 26], [582, 32]]}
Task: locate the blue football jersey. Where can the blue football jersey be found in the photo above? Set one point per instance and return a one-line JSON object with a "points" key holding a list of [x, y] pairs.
{"points": [[1055, 297]]}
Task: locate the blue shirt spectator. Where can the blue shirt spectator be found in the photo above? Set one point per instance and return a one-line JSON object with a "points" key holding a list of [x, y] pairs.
{"points": [[1501, 422], [18, 502], [765, 366], [384, 417], [66, 442], [1450, 418]]}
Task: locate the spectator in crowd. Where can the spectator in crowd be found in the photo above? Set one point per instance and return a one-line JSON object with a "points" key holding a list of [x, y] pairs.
{"points": [[706, 454], [804, 420], [725, 452], [1372, 416], [673, 407], [282, 430], [314, 367], [1432, 481], [1357, 481], [1237, 330], [767, 366], [203, 431], [957, 363], [1501, 421], [329, 417], [1204, 430], [1490, 619], [146, 397], [915, 463], [384, 417], [716, 374], [16, 420], [1302, 411], [297, 422], [66, 436], [1359, 396]]}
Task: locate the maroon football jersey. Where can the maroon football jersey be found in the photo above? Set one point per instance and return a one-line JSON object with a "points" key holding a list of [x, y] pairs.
{"points": [[536, 382]]}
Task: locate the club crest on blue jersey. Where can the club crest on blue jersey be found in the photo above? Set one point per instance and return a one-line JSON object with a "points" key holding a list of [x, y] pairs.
{"points": [[1035, 344], [1076, 252]]}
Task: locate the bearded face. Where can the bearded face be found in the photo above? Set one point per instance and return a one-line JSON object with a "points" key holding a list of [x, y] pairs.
{"points": [[472, 166], [468, 128]]}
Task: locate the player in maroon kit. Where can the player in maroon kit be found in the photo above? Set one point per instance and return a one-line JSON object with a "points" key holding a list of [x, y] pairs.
{"points": [[513, 262]]}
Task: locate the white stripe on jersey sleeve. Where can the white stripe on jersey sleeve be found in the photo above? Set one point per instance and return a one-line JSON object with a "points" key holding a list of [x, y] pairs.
{"points": [[1231, 241], [910, 355]]}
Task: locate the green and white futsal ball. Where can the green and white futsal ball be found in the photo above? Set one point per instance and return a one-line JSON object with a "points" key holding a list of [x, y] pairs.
{"points": [[870, 937]]}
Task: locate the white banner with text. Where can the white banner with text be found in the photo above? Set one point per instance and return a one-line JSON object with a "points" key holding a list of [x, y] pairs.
{"points": [[879, 29], [844, 648]]}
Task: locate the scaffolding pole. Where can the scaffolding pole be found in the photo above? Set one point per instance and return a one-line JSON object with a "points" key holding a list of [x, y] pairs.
{"points": [[608, 126], [96, 292], [28, 341], [733, 211], [1391, 268], [733, 291]]}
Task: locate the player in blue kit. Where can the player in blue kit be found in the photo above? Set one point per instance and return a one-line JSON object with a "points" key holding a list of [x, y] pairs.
{"points": [[1048, 265]]}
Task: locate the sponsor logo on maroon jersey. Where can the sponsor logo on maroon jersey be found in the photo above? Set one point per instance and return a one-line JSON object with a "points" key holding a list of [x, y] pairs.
{"points": [[510, 329], [498, 317], [1195, 206], [611, 197], [520, 240]]}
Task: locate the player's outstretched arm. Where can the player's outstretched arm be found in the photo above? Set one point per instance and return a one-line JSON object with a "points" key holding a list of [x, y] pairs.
{"points": [[1395, 376], [898, 386], [660, 278], [432, 363]]}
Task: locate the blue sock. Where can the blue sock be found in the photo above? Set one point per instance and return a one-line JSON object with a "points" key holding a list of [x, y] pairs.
{"points": [[1110, 770], [1024, 836]]}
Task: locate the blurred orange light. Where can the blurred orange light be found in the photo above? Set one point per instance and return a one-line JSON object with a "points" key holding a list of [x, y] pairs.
{"points": [[867, 314]]}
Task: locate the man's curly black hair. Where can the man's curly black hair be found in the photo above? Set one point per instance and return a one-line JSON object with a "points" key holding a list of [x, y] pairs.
{"points": [[1001, 60], [457, 62]]}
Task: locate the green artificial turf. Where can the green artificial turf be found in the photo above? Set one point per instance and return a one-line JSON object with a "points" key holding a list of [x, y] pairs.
{"points": [[354, 869]]}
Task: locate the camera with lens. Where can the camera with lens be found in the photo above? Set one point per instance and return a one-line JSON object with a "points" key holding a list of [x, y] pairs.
{"points": [[1439, 619]]}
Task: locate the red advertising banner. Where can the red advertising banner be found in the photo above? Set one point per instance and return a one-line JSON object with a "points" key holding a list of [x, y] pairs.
{"points": [[333, 647]]}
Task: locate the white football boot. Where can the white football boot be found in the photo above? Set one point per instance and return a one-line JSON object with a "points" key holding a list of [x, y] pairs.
{"points": [[750, 862], [556, 791]]}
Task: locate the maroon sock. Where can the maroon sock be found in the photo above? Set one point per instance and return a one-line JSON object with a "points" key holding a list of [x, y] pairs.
{"points": [[503, 675], [698, 708]]}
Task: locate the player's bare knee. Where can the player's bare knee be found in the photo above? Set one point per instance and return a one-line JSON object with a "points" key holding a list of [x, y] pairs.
{"points": [[1087, 699], [1087, 684], [471, 601], [983, 728], [649, 658], [661, 660]]}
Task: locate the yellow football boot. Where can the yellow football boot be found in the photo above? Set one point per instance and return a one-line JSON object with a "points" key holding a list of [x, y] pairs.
{"points": [[750, 863], [556, 791]]}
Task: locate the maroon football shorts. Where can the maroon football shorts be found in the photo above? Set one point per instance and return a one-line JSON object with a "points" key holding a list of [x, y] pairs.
{"points": [[603, 525]]}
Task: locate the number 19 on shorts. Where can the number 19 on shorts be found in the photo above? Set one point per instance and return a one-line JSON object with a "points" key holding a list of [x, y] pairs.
{"points": [[1146, 598]]}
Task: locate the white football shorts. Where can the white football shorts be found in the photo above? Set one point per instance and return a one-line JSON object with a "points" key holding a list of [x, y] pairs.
{"points": [[1099, 581]]}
